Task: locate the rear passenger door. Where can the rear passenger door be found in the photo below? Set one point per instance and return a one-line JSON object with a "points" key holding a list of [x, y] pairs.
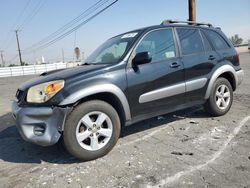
{"points": [[220, 45], [198, 58]]}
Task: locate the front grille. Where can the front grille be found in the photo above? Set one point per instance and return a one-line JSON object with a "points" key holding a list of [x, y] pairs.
{"points": [[19, 95]]}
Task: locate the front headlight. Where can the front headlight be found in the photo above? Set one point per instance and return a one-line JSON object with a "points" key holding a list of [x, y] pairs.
{"points": [[45, 91]]}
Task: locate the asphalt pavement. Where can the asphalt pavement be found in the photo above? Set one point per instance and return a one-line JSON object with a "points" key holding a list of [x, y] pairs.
{"points": [[187, 148]]}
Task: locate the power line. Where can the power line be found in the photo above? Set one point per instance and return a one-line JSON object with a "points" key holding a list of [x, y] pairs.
{"points": [[31, 16], [14, 25], [75, 28], [84, 14], [22, 13]]}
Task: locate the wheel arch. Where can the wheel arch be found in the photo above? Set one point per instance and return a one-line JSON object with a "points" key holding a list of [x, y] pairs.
{"points": [[109, 98], [225, 71], [105, 92], [230, 77]]}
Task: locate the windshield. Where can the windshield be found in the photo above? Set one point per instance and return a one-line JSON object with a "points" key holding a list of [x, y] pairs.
{"points": [[112, 50]]}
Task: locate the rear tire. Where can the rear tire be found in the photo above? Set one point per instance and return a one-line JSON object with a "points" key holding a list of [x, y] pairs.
{"points": [[220, 99], [91, 130]]}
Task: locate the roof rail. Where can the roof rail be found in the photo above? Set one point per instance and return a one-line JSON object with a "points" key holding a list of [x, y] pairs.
{"points": [[167, 22]]}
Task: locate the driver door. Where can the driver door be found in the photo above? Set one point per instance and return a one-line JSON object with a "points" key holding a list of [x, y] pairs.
{"points": [[156, 87]]}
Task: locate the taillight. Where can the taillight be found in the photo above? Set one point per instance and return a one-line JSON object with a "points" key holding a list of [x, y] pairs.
{"points": [[238, 58]]}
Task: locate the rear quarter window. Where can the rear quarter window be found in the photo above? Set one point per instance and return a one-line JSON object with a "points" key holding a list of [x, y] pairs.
{"points": [[217, 40]]}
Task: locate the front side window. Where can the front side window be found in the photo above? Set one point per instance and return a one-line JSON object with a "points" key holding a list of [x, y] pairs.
{"points": [[218, 42], [160, 44], [113, 50], [190, 40]]}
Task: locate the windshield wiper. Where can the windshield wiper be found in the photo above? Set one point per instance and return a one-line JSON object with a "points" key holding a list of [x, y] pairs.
{"points": [[98, 63]]}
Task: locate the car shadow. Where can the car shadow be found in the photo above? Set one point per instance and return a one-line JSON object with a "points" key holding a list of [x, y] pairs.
{"points": [[14, 149]]}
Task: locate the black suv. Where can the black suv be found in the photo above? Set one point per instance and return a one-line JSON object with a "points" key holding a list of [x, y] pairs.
{"points": [[131, 77]]}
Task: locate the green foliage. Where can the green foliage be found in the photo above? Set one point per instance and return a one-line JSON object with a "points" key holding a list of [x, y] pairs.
{"points": [[236, 40], [12, 65]]}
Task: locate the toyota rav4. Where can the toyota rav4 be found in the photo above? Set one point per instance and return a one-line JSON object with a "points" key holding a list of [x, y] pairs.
{"points": [[131, 77]]}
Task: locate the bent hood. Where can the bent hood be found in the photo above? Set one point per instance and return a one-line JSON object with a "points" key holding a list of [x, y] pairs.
{"points": [[61, 74]]}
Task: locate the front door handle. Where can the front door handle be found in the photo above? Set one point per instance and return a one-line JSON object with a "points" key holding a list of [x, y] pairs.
{"points": [[175, 65]]}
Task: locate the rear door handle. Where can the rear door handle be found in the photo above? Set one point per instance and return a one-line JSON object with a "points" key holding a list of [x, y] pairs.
{"points": [[175, 65], [211, 57]]}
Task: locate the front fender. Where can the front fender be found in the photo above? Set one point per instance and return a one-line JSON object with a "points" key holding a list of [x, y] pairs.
{"points": [[100, 88]]}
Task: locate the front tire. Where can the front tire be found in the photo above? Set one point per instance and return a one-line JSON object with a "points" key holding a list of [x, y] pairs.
{"points": [[221, 98], [91, 130]]}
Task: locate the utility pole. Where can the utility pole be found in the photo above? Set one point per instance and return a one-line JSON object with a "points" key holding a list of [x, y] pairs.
{"points": [[18, 46], [3, 63], [192, 10]]}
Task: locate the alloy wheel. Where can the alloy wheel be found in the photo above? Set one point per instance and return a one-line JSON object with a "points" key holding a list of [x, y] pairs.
{"points": [[222, 97], [94, 130]]}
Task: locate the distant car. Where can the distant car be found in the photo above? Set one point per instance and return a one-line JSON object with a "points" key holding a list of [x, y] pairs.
{"points": [[131, 77], [249, 46]]}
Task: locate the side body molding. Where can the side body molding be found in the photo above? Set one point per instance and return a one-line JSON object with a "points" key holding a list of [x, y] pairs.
{"points": [[162, 93], [217, 73], [109, 88]]}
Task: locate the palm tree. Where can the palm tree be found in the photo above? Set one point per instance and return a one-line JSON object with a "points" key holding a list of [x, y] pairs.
{"points": [[77, 53], [236, 40]]}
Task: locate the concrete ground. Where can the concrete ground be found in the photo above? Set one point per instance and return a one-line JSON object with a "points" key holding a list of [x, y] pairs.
{"points": [[183, 149]]}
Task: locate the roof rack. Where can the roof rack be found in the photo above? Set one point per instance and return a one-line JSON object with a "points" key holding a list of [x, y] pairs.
{"points": [[167, 22]]}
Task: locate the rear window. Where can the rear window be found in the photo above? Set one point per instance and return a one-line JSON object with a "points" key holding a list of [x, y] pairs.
{"points": [[190, 40], [217, 40]]}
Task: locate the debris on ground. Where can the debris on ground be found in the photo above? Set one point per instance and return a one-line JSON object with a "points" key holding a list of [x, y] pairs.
{"points": [[185, 139], [181, 153], [193, 122]]}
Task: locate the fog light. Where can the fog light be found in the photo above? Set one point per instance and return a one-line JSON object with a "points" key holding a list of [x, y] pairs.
{"points": [[39, 130]]}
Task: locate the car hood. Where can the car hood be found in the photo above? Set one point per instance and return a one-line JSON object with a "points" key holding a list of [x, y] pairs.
{"points": [[61, 74]]}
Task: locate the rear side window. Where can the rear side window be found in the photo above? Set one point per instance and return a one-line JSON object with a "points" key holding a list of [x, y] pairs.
{"points": [[218, 41], [190, 40], [207, 45], [159, 43]]}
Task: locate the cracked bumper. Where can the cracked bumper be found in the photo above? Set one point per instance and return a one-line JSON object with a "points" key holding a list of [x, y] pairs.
{"points": [[39, 125]]}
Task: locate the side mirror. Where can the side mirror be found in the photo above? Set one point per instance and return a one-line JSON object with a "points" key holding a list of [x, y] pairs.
{"points": [[142, 58]]}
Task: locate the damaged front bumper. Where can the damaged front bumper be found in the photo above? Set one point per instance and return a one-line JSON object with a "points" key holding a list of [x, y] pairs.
{"points": [[39, 125]]}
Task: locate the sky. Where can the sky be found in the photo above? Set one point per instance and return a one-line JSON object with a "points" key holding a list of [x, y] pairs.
{"points": [[233, 16]]}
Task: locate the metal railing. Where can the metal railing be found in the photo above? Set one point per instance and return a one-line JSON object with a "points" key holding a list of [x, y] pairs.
{"points": [[33, 69]]}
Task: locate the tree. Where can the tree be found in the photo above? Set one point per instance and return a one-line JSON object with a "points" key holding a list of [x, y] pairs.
{"points": [[77, 53], [12, 65], [236, 40]]}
